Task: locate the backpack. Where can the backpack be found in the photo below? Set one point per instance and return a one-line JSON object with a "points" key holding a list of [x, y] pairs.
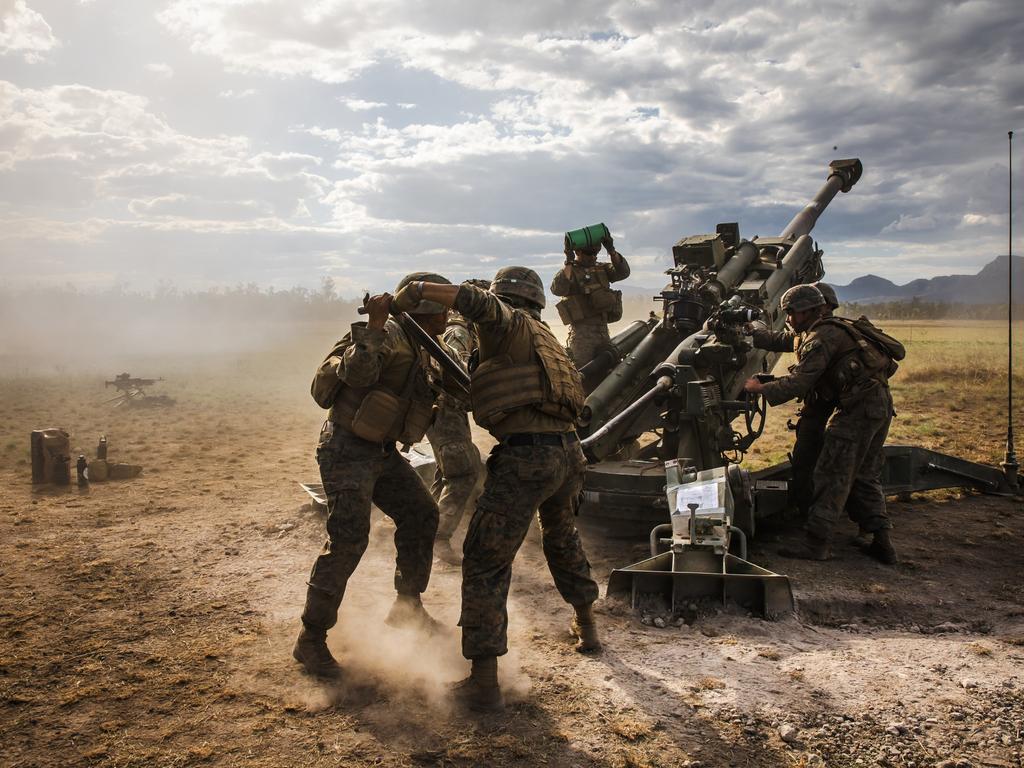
{"points": [[864, 332], [890, 346]]}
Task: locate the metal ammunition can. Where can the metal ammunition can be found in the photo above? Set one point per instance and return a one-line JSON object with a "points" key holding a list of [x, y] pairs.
{"points": [[588, 237]]}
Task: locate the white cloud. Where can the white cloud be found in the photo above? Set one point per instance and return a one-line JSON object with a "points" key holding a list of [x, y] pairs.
{"points": [[161, 69], [487, 129], [24, 31], [981, 220], [358, 105], [908, 223], [230, 93]]}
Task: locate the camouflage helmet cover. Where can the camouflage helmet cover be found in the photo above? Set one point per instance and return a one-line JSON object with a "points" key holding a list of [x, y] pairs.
{"points": [[829, 294], [800, 298], [424, 307], [522, 282]]}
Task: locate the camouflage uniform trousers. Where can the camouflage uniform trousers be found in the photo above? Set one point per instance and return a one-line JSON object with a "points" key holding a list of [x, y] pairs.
{"points": [[521, 480], [457, 477], [810, 437], [355, 473], [849, 469], [585, 339]]}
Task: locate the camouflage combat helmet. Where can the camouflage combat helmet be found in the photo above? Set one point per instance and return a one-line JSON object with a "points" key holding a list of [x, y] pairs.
{"points": [[522, 282], [800, 298], [424, 307], [829, 294]]}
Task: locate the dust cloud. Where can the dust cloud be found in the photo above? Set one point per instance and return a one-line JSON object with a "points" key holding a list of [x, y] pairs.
{"points": [[407, 668], [60, 330]]}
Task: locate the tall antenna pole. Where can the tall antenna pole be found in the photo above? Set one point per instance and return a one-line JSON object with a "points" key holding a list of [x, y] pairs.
{"points": [[1009, 463]]}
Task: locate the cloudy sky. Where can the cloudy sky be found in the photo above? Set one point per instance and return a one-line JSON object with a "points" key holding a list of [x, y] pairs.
{"points": [[211, 142]]}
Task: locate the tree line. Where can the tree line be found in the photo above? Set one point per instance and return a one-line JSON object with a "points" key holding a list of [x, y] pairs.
{"points": [[922, 309]]}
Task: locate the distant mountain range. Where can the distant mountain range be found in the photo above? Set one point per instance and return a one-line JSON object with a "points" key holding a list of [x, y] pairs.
{"points": [[986, 287]]}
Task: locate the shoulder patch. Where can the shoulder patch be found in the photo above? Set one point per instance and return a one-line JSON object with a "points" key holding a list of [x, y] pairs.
{"points": [[809, 345]]}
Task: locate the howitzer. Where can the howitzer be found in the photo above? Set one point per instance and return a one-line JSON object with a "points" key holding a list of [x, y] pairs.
{"points": [[674, 397]]}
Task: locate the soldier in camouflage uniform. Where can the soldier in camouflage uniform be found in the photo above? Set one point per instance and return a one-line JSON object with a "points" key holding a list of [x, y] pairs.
{"points": [[838, 364], [589, 304], [457, 476], [527, 393], [814, 413], [374, 383]]}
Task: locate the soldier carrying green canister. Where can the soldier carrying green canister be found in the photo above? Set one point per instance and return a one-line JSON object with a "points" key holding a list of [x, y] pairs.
{"points": [[374, 383], [527, 394], [841, 361], [589, 304]]}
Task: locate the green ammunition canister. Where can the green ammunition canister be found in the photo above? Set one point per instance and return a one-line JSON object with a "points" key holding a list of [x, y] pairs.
{"points": [[587, 238]]}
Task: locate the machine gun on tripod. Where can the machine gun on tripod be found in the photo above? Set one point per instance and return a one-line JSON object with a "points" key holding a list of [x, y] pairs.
{"points": [[131, 392]]}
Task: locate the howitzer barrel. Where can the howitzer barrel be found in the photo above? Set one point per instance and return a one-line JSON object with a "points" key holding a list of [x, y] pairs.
{"points": [[664, 383], [620, 345], [781, 279], [734, 270], [844, 174]]}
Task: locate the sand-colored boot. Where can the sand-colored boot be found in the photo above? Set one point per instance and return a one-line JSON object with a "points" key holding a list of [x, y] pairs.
{"points": [[444, 552], [881, 548], [812, 548], [408, 613], [584, 628], [312, 653], [480, 691]]}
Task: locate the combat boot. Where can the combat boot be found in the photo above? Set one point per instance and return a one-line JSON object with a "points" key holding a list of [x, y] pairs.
{"points": [[480, 691], [408, 612], [444, 552], [312, 653], [881, 548], [812, 548], [862, 539], [584, 628]]}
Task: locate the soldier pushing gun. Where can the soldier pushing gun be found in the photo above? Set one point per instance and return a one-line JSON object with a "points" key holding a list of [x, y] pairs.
{"points": [[847, 363]]}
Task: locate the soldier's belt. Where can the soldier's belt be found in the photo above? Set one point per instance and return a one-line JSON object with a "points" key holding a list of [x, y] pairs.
{"points": [[385, 447], [540, 438]]}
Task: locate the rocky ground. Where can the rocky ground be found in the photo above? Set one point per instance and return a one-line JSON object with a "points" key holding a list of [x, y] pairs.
{"points": [[149, 621]]}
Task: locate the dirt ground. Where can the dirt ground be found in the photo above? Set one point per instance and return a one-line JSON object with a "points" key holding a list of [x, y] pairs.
{"points": [[148, 622]]}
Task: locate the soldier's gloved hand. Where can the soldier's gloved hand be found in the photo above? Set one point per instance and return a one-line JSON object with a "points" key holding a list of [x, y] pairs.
{"points": [[377, 308], [408, 298], [570, 255], [609, 244], [753, 386]]}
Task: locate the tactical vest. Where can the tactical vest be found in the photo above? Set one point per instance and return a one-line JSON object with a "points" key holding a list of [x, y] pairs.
{"points": [[590, 299], [397, 408], [857, 365], [526, 368]]}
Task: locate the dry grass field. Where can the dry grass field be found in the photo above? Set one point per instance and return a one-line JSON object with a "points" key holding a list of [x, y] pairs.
{"points": [[148, 622]]}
